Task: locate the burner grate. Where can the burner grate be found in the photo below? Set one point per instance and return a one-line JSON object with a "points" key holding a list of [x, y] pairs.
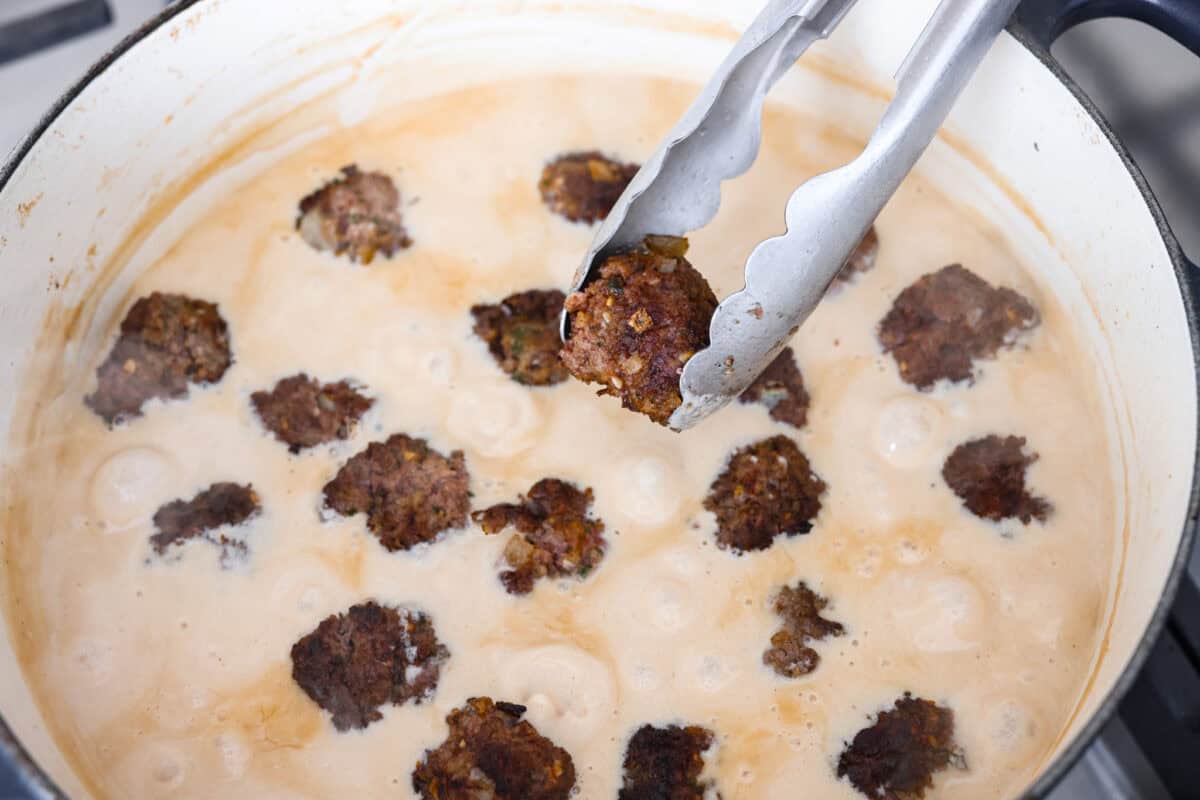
{"points": [[39, 30]]}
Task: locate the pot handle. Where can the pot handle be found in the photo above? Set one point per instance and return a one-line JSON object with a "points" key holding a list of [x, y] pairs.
{"points": [[1046, 20]]}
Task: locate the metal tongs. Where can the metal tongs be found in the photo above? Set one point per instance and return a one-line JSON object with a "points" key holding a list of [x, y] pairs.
{"points": [[678, 190]]}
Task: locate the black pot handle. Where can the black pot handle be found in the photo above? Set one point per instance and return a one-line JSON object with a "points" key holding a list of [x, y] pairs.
{"points": [[1046, 20]]}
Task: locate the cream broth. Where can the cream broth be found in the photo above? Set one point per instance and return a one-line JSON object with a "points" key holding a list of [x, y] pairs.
{"points": [[171, 677]]}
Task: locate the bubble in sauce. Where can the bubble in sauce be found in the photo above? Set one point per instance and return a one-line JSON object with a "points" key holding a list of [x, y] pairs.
{"points": [[649, 489], [907, 431], [568, 692], [939, 613], [235, 757], [500, 420], [95, 660], [127, 488], [441, 365]]}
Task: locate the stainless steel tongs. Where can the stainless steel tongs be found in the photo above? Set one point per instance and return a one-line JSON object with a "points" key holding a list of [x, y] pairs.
{"points": [[678, 190]]}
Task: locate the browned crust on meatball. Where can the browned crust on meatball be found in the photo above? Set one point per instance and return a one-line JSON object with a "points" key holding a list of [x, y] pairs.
{"points": [[521, 332], [896, 758], [988, 474], [357, 215], [781, 389], [767, 490], [666, 764], [302, 412], [800, 609], [490, 752], [862, 260], [635, 326], [220, 505], [584, 187], [166, 343], [409, 491], [948, 320], [556, 537], [355, 663]]}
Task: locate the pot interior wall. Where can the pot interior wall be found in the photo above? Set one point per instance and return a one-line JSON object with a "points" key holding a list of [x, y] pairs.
{"points": [[1019, 148]]}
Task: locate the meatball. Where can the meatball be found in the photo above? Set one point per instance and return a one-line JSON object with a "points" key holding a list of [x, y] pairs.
{"points": [[583, 187], [491, 753], [219, 506], [988, 474], [555, 536], [167, 342], [636, 325], [767, 490], [409, 491], [895, 758], [946, 321], [522, 334], [666, 764], [800, 609], [781, 389], [302, 412], [354, 663], [357, 215], [861, 260]]}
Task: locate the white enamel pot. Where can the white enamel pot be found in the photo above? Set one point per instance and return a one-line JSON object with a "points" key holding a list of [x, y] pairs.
{"points": [[1023, 146]]}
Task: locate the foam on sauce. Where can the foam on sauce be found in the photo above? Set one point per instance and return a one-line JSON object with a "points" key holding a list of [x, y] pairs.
{"points": [[172, 678]]}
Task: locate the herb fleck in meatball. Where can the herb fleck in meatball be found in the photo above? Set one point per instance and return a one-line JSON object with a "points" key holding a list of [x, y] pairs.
{"points": [[946, 321], [357, 215], [409, 491], [555, 536], [862, 259], [896, 758], [219, 506], [355, 663], [583, 187], [492, 754], [167, 342], [989, 475], [666, 764], [800, 609], [302, 412], [781, 389], [522, 334], [635, 326], [767, 490]]}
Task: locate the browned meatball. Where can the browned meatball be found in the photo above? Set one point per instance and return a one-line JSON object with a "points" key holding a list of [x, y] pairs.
{"points": [[634, 327], [409, 491], [583, 187], [781, 389], [800, 609], [167, 343], [302, 412], [522, 334], [357, 214], [492, 754], [220, 505], [895, 758], [989, 475], [862, 259], [666, 764], [946, 321], [767, 490], [355, 663], [556, 537]]}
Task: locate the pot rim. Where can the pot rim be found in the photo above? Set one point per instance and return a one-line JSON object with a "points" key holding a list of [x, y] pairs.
{"points": [[1187, 276]]}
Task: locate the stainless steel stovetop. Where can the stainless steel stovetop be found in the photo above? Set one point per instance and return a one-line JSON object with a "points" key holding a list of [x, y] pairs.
{"points": [[1147, 86]]}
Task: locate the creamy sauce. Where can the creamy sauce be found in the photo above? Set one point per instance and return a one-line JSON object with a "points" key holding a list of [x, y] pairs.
{"points": [[171, 678]]}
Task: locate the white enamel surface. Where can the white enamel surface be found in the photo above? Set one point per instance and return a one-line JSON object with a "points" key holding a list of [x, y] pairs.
{"points": [[224, 66]]}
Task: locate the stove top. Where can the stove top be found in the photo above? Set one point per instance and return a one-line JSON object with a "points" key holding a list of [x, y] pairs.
{"points": [[1135, 76]]}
